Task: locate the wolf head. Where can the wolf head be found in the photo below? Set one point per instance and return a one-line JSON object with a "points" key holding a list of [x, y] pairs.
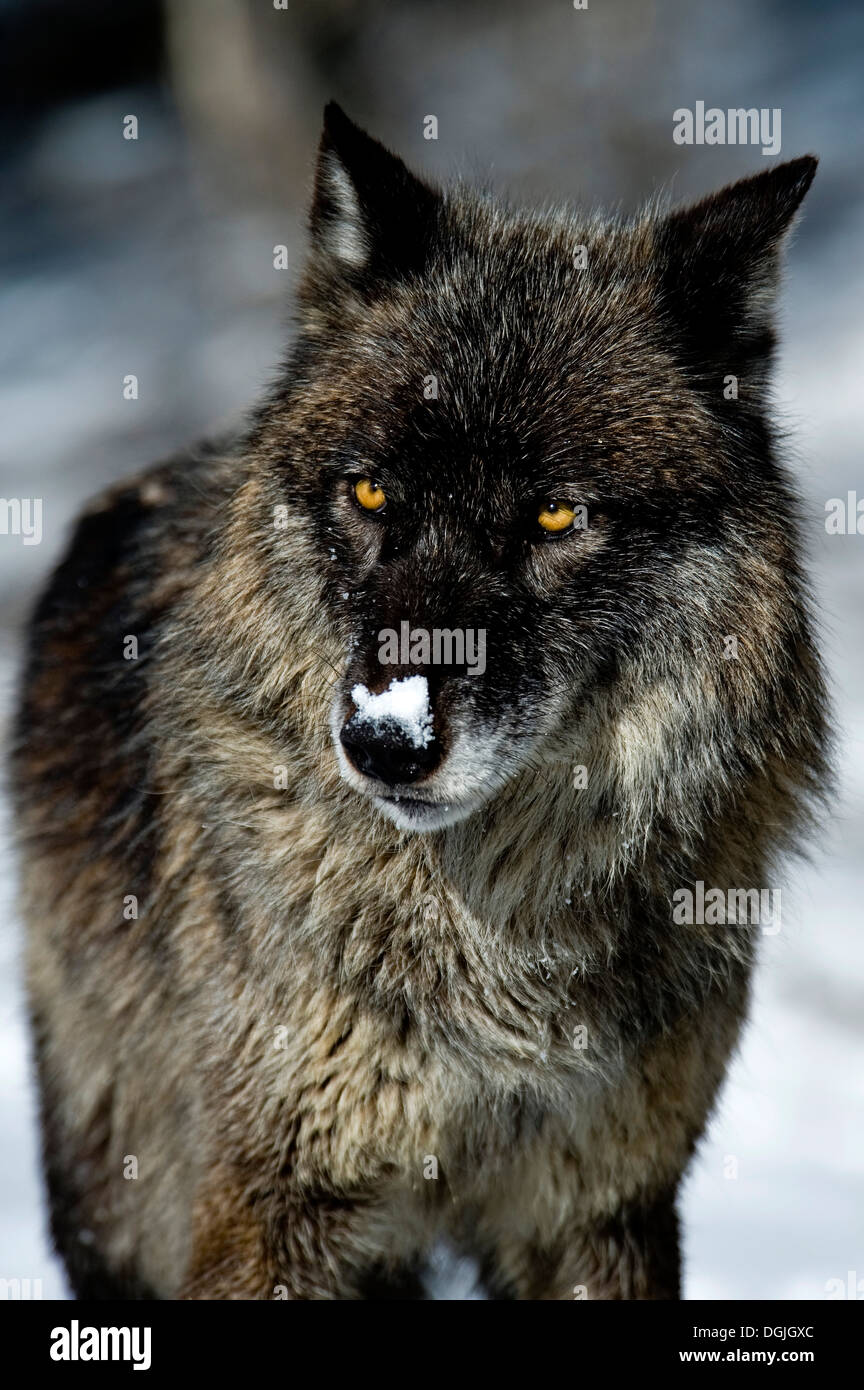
{"points": [[528, 460]]}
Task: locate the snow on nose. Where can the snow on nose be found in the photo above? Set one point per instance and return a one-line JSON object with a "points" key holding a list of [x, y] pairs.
{"points": [[404, 703]]}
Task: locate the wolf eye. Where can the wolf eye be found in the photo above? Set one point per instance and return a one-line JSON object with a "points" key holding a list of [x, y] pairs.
{"points": [[555, 517], [371, 497]]}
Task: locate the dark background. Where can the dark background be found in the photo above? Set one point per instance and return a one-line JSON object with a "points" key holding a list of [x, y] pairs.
{"points": [[155, 257]]}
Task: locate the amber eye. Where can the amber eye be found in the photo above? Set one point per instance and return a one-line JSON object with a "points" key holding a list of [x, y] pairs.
{"points": [[369, 495], [553, 516]]}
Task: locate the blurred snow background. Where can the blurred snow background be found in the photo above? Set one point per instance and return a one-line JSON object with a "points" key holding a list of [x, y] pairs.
{"points": [[155, 257]]}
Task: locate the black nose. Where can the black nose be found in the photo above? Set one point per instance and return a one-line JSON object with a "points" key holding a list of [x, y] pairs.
{"points": [[383, 752]]}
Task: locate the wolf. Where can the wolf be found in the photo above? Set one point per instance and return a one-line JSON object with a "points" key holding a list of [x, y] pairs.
{"points": [[331, 959]]}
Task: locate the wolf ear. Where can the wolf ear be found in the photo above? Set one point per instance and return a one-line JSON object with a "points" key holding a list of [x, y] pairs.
{"points": [[718, 265], [370, 216]]}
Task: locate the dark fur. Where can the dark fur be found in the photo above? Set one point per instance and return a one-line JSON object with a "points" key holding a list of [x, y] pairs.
{"points": [[313, 1001]]}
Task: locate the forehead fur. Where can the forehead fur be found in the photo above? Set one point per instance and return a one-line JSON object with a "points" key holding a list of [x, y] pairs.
{"points": [[542, 333]]}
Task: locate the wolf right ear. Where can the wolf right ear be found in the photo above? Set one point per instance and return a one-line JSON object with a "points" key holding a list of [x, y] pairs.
{"points": [[371, 218], [718, 263]]}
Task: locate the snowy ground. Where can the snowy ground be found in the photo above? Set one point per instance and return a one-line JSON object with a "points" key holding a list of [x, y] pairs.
{"points": [[117, 269]]}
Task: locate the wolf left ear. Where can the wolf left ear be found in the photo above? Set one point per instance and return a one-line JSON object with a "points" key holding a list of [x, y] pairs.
{"points": [[370, 216], [718, 264]]}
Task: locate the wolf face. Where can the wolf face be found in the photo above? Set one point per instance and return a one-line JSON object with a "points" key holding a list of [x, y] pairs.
{"points": [[550, 431]]}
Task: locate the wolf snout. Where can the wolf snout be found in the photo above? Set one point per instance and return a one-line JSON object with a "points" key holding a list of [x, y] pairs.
{"points": [[390, 736], [383, 753]]}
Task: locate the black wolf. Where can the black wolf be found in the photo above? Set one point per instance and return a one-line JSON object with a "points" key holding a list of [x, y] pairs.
{"points": [[337, 949]]}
